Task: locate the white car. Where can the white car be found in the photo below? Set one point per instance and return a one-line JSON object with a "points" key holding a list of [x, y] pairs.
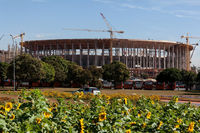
{"points": [[86, 90]]}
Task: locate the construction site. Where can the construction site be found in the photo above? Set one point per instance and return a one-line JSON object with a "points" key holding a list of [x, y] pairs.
{"points": [[140, 56]]}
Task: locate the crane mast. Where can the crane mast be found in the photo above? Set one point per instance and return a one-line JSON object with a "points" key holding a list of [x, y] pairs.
{"points": [[188, 57]]}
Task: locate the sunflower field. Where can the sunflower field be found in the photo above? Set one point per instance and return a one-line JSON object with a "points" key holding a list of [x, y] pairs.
{"points": [[80, 113]]}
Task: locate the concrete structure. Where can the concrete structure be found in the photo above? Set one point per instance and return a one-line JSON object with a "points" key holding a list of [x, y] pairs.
{"points": [[140, 56]]}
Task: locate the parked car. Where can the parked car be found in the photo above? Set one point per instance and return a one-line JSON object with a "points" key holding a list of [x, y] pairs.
{"points": [[128, 84], [86, 90], [107, 85]]}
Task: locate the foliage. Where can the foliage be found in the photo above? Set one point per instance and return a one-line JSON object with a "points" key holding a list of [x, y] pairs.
{"points": [[102, 113], [198, 78], [3, 72], [49, 72], [96, 76], [144, 76], [188, 78], [85, 77], [116, 71], [27, 68], [169, 75], [60, 65]]}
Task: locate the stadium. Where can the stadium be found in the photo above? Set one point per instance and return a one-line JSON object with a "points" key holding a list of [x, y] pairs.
{"points": [[140, 56]]}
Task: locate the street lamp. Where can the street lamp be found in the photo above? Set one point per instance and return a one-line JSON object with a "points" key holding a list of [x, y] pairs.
{"points": [[13, 39]]}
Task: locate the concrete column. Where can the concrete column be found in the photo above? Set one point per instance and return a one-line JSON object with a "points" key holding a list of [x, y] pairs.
{"points": [[44, 50], [173, 66], [168, 56], [164, 58], [103, 61], [179, 58], [80, 56], [153, 57], [147, 57], [95, 50], [155, 60], [159, 58], [72, 53], [88, 54]]}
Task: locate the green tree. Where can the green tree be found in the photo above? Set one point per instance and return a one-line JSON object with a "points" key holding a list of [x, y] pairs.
{"points": [[60, 65], [49, 72], [188, 78], [85, 77], [115, 72], [96, 76], [27, 68], [3, 72], [74, 73], [169, 75], [198, 78]]}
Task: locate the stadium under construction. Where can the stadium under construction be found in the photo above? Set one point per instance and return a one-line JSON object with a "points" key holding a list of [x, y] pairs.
{"points": [[140, 56]]}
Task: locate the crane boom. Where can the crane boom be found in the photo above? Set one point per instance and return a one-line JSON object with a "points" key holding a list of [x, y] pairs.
{"points": [[104, 18], [1, 36]]}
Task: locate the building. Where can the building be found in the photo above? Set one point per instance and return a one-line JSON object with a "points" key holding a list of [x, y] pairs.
{"points": [[140, 56]]}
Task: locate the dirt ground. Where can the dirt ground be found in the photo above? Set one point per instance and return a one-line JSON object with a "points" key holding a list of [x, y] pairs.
{"points": [[164, 94]]}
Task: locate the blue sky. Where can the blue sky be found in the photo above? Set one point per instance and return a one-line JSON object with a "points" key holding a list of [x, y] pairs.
{"points": [[140, 19]]}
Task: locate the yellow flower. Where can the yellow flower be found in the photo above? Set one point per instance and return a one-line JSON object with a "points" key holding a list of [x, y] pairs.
{"points": [[63, 120], [191, 127], [128, 131], [12, 117], [8, 106], [55, 105], [144, 125], [132, 123], [47, 114], [152, 102], [148, 115], [102, 116], [125, 100], [139, 115], [50, 109], [18, 106], [176, 99], [179, 120], [134, 108], [161, 123], [2, 107], [199, 121], [82, 125], [38, 120], [177, 126]]}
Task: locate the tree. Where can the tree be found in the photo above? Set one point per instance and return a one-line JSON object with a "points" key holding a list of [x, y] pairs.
{"points": [[85, 77], [3, 72], [188, 78], [49, 73], [74, 73], [115, 72], [144, 76], [60, 65], [96, 76], [198, 78], [169, 75], [27, 68]]}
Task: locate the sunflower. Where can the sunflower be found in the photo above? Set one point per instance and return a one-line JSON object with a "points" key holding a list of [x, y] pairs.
{"points": [[47, 114], [18, 106], [82, 125], [148, 115], [2, 107], [128, 131], [161, 123], [102, 116], [125, 100], [132, 123], [12, 117], [139, 115], [38, 120], [144, 125], [179, 120], [8, 106], [191, 127], [177, 126]]}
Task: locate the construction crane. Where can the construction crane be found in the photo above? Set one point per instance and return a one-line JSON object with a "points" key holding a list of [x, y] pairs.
{"points": [[110, 31], [22, 37], [188, 57], [1, 36]]}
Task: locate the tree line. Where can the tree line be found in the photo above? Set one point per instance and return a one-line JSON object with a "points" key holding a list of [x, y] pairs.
{"points": [[172, 75], [53, 69]]}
